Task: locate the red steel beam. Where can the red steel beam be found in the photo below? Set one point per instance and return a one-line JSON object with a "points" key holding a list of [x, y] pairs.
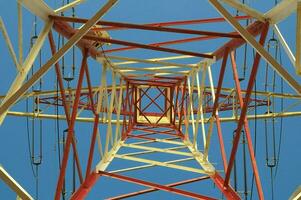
{"points": [[67, 31], [228, 192], [66, 109], [215, 108], [152, 84], [124, 196], [166, 108], [85, 187], [166, 43], [180, 78], [144, 46], [245, 108], [247, 129], [90, 91], [185, 22], [254, 29], [92, 145], [146, 27], [152, 100], [178, 23], [155, 185], [151, 80], [70, 129]]}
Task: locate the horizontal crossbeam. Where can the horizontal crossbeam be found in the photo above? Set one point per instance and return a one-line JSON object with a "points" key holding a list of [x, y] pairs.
{"points": [[162, 164], [154, 185]]}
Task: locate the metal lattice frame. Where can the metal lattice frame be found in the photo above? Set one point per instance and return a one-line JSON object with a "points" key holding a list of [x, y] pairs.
{"points": [[183, 90]]}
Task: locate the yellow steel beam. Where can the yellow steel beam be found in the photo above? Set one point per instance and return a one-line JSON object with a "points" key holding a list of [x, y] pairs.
{"points": [[297, 194], [156, 59], [151, 69], [38, 8], [103, 121], [109, 136], [152, 141], [149, 165], [208, 139], [168, 141], [157, 149], [206, 88], [285, 46], [200, 113], [16, 187], [119, 102], [148, 61], [245, 9], [281, 11], [151, 151], [199, 157], [9, 45], [99, 143], [68, 6], [190, 112], [162, 164], [107, 158]]}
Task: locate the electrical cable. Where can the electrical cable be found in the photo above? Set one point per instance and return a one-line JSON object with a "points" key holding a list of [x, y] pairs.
{"points": [[281, 120]]}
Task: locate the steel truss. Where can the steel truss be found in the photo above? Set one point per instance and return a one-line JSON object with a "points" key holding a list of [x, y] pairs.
{"points": [[168, 104]]}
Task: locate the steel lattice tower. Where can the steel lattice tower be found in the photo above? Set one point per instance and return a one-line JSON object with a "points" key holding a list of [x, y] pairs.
{"points": [[166, 115]]}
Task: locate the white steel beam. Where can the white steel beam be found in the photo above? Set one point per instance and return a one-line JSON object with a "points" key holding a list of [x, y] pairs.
{"points": [[281, 11], [9, 44], [161, 164], [277, 14], [284, 45], [297, 194], [68, 6], [199, 157], [245, 9], [158, 62], [38, 8], [14, 185], [149, 165], [157, 59], [107, 159]]}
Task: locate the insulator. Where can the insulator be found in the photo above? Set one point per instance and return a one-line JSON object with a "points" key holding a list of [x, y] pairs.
{"points": [[68, 75], [33, 40]]}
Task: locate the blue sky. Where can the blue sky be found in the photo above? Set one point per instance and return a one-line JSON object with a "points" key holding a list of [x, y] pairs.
{"points": [[14, 146]]}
